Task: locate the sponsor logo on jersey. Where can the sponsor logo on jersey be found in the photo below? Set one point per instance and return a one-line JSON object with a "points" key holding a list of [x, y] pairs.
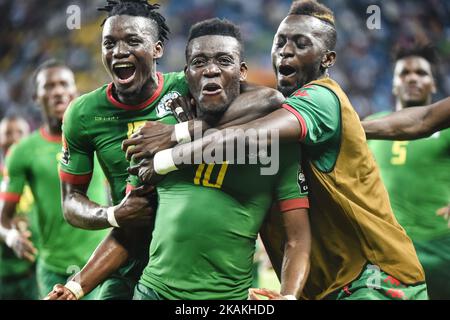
{"points": [[301, 181], [163, 108], [65, 152]]}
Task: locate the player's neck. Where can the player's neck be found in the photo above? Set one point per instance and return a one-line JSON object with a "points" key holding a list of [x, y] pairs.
{"points": [[53, 129], [399, 105], [144, 94]]}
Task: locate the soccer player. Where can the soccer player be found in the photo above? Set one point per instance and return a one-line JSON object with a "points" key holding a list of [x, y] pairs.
{"points": [[132, 41], [204, 252], [355, 233], [408, 168], [34, 161], [17, 276]]}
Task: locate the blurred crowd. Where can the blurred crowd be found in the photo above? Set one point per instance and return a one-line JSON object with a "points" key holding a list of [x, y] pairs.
{"points": [[32, 31]]}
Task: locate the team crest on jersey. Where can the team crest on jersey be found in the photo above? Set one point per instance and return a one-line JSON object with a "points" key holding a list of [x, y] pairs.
{"points": [[301, 180], [163, 108], [65, 152]]}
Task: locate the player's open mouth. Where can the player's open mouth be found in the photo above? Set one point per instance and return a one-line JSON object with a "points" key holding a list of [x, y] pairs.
{"points": [[286, 71], [125, 72], [211, 89]]}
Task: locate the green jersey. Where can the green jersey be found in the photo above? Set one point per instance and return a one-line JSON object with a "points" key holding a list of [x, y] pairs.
{"points": [[417, 178], [34, 161], [10, 264], [207, 223], [97, 122]]}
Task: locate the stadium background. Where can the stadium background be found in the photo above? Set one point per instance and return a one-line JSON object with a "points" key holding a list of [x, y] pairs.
{"points": [[34, 30]]}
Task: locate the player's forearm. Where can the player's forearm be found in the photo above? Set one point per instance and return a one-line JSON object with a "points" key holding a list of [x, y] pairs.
{"points": [[7, 211], [295, 270], [254, 103], [82, 213], [296, 261], [279, 126], [109, 256], [401, 125]]}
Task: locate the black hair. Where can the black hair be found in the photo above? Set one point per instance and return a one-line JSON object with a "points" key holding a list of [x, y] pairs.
{"points": [[138, 8], [425, 50], [216, 26], [48, 64], [317, 10]]}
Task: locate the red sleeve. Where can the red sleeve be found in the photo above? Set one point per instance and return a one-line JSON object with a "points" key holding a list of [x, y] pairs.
{"points": [[303, 128], [75, 179], [292, 204]]}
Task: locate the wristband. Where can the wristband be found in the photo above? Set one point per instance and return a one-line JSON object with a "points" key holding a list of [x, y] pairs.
{"points": [[75, 288], [290, 297], [111, 217], [182, 134], [163, 162], [12, 237]]}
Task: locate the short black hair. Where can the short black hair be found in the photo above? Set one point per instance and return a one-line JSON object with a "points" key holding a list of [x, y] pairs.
{"points": [[425, 50], [138, 8], [217, 27], [47, 64], [317, 10]]}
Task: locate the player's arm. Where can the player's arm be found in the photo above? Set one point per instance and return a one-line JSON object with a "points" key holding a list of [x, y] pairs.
{"points": [[311, 117], [296, 264], [79, 211], [254, 102], [109, 256], [296, 258], [77, 165], [410, 123], [12, 187], [287, 227]]}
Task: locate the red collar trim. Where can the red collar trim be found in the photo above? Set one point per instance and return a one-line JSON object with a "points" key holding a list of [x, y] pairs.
{"points": [[49, 137], [141, 105]]}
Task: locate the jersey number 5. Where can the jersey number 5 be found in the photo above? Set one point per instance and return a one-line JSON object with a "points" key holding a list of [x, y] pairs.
{"points": [[399, 150]]}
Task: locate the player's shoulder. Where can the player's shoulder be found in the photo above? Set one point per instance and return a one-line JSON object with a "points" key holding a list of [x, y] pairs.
{"points": [[86, 103], [314, 92], [175, 80], [26, 143]]}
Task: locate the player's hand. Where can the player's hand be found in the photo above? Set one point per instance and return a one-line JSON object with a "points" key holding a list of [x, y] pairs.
{"points": [[145, 170], [154, 136], [445, 213], [136, 208], [60, 292], [270, 294], [183, 108], [21, 244]]}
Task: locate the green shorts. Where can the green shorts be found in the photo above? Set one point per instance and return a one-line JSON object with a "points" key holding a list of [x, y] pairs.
{"points": [[434, 255], [142, 292], [46, 280], [19, 287], [374, 284]]}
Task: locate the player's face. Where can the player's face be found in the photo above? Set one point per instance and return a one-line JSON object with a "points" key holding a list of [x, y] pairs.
{"points": [[214, 71], [55, 89], [297, 52], [413, 82], [129, 52], [11, 132]]}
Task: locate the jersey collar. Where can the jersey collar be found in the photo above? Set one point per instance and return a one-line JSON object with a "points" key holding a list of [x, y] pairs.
{"points": [[140, 106], [50, 137]]}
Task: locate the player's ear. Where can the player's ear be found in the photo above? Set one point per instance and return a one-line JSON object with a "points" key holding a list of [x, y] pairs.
{"points": [[158, 50], [328, 59], [243, 71], [433, 86]]}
